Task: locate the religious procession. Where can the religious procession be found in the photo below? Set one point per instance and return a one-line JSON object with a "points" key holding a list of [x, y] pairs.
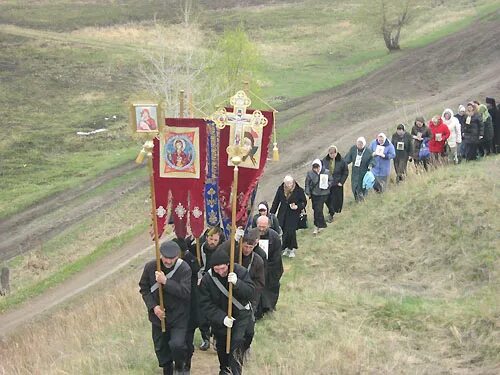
{"points": [[220, 273]]}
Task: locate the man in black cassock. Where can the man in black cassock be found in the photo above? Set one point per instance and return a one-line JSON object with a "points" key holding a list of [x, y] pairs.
{"points": [[175, 279], [270, 242], [214, 302]]}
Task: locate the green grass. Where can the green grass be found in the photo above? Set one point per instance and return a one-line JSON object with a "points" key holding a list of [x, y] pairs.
{"points": [[390, 287], [64, 273]]}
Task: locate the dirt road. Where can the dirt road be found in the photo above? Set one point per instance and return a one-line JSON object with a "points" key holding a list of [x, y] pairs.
{"points": [[451, 71]]}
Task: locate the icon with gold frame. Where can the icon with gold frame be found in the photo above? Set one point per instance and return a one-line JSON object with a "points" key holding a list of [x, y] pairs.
{"points": [[145, 117]]}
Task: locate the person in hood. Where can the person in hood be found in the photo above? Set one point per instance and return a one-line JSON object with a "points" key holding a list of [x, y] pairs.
{"points": [[214, 302], [486, 144], [455, 139], [339, 172], [404, 150], [420, 134], [263, 208], [473, 132], [495, 118], [362, 161], [174, 280], [383, 152], [288, 203], [317, 188], [439, 135]]}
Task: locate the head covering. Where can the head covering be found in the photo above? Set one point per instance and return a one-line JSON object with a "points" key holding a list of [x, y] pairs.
{"points": [[262, 206], [169, 249], [333, 146], [483, 110], [420, 119], [318, 162], [384, 137], [401, 127], [447, 122], [288, 178], [220, 256], [361, 140], [461, 107]]}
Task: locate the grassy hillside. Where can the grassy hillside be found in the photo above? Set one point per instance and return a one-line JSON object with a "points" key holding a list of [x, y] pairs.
{"points": [[68, 66], [407, 282]]}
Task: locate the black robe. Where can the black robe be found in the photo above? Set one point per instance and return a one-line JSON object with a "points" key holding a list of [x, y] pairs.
{"points": [[288, 218], [274, 271]]}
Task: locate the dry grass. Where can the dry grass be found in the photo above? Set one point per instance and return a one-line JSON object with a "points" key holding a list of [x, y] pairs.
{"points": [[405, 283]]}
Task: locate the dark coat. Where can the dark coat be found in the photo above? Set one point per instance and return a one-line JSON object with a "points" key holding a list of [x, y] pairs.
{"points": [[274, 269], [213, 304], [424, 132], [288, 218], [176, 294], [273, 221], [407, 141], [194, 315], [488, 129], [358, 173], [340, 170], [312, 183], [474, 130]]}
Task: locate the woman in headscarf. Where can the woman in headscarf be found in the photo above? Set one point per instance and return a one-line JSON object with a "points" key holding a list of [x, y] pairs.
{"points": [[383, 151], [455, 138], [487, 141], [439, 135], [339, 172], [288, 203], [317, 188], [403, 143], [420, 134], [495, 117], [472, 132], [363, 161], [263, 209], [460, 116]]}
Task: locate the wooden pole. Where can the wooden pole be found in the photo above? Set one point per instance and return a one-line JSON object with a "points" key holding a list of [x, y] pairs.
{"points": [[231, 254], [240, 252], [155, 230], [198, 251], [191, 105], [181, 104]]}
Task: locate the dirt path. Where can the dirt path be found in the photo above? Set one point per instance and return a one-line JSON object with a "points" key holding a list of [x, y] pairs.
{"points": [[51, 216], [451, 71]]}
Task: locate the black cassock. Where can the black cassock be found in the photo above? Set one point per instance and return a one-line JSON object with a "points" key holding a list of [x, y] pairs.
{"points": [[274, 270]]}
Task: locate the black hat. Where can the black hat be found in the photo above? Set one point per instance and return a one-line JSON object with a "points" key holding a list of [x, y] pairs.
{"points": [[169, 249], [219, 257]]}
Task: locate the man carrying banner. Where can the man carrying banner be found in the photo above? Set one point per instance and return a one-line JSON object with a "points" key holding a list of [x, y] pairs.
{"points": [[214, 303], [269, 241], [175, 277]]}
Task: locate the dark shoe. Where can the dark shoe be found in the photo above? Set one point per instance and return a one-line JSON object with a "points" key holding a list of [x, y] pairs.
{"points": [[329, 219], [205, 345]]}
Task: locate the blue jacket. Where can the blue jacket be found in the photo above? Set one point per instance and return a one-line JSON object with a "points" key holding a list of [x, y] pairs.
{"points": [[382, 166]]}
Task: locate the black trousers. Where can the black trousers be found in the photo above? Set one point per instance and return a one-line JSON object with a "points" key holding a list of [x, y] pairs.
{"points": [[400, 165], [335, 200], [289, 239], [471, 151], [170, 346], [318, 201], [232, 363]]}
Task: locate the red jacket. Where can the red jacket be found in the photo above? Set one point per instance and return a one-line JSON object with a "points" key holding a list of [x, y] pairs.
{"points": [[440, 133]]}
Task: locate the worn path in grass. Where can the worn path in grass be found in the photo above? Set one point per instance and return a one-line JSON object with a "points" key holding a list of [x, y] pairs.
{"points": [[453, 70]]}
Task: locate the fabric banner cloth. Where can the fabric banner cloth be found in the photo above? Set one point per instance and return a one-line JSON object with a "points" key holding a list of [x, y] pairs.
{"points": [[250, 170], [179, 160]]}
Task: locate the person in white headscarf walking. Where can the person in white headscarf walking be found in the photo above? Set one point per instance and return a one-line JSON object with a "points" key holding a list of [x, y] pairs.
{"points": [[317, 188], [383, 151], [363, 161], [455, 138]]}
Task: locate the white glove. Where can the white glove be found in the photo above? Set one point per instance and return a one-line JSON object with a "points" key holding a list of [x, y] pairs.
{"points": [[228, 322], [239, 233], [232, 278]]}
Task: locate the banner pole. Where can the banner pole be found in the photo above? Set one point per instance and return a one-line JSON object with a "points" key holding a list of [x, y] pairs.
{"points": [[198, 250], [155, 230], [231, 254]]}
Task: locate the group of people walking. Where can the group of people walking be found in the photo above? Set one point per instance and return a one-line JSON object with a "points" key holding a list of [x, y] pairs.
{"points": [[195, 291]]}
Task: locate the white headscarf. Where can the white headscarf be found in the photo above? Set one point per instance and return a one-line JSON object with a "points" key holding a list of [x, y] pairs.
{"points": [[448, 122], [384, 137], [362, 140], [288, 178], [461, 108], [317, 161]]}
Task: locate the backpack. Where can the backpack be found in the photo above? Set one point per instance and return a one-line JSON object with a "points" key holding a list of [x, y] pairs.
{"points": [[424, 152]]}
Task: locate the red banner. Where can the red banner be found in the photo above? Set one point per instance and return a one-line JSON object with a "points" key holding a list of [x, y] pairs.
{"points": [[256, 144], [179, 167]]}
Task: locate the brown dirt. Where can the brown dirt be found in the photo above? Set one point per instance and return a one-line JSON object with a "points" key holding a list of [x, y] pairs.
{"points": [[451, 71]]}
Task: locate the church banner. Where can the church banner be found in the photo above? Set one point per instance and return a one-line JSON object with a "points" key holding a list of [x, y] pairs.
{"points": [[179, 159]]}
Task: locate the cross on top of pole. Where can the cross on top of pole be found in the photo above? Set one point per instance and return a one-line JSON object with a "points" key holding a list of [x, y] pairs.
{"points": [[239, 119]]}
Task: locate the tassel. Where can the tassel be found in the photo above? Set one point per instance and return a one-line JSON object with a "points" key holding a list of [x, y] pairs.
{"points": [[276, 153]]}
